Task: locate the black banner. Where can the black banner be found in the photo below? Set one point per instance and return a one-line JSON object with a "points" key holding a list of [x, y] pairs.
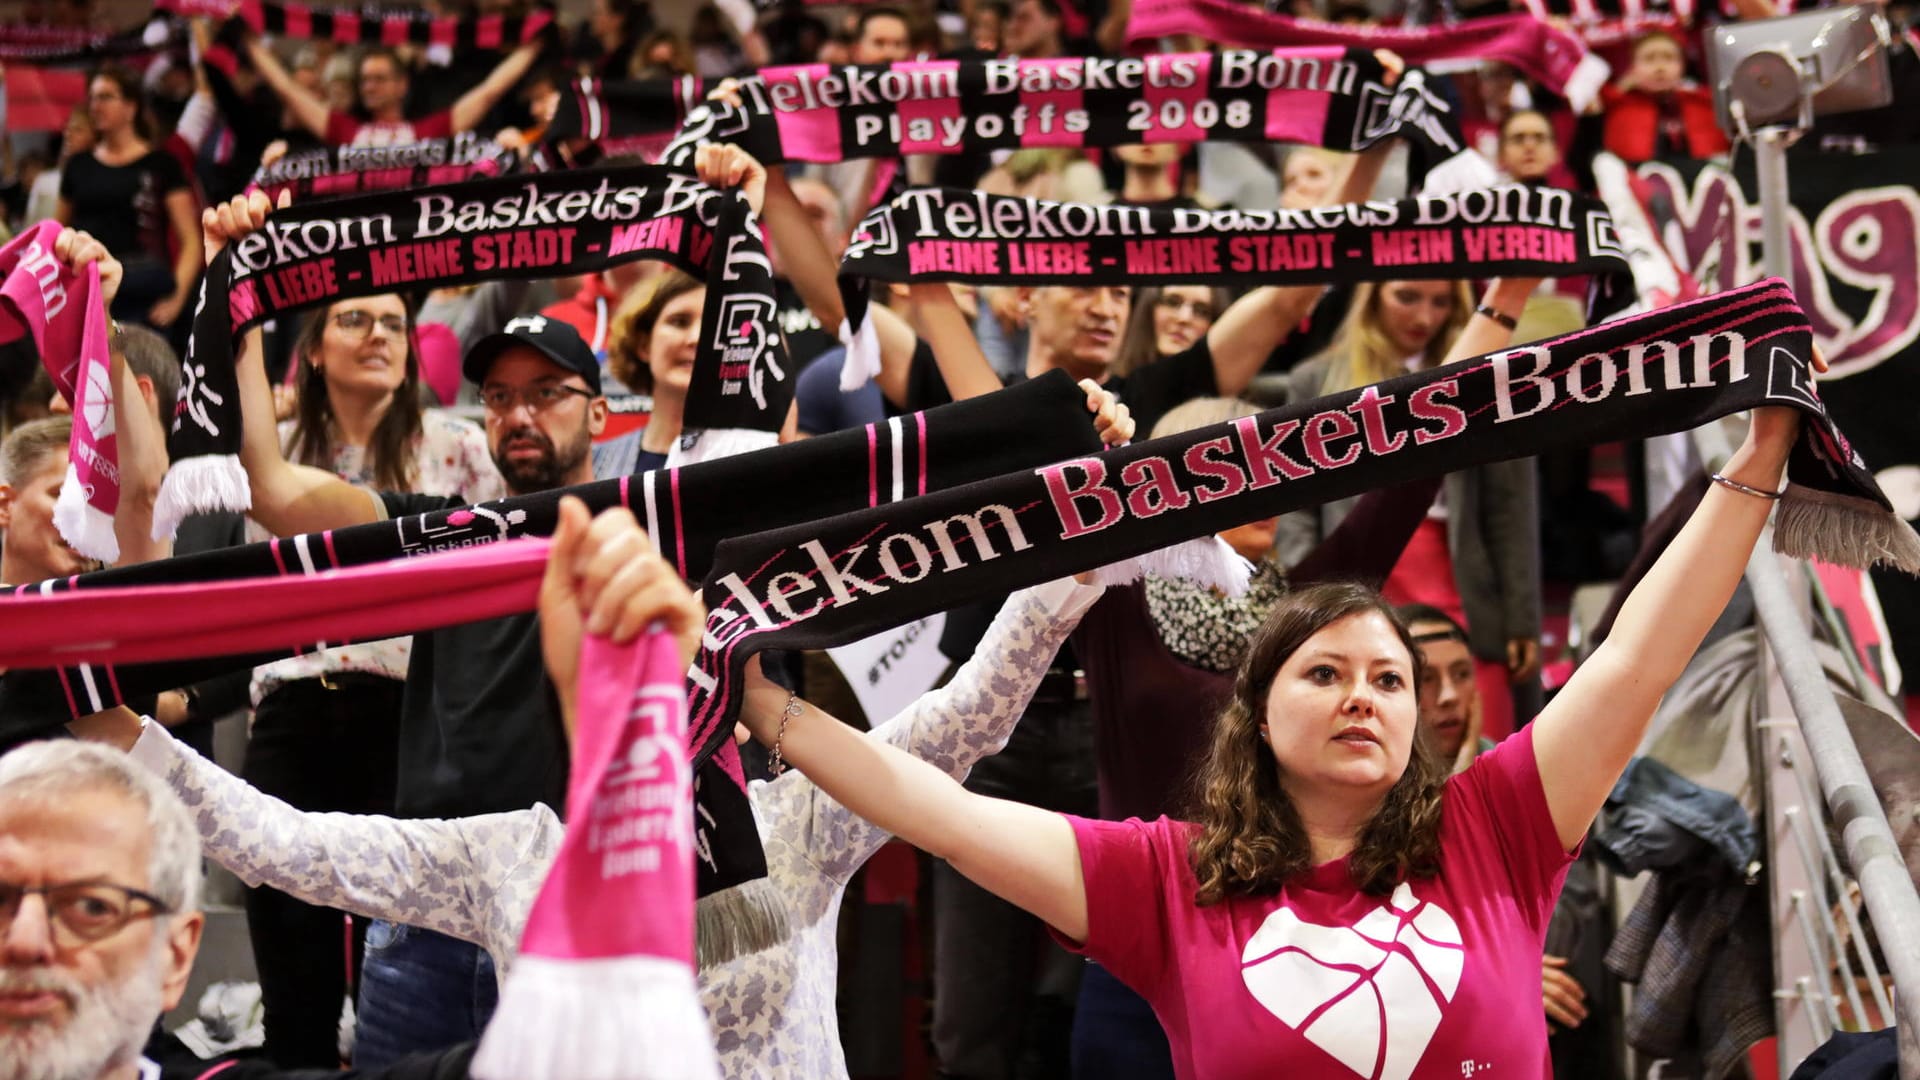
{"points": [[1855, 229]]}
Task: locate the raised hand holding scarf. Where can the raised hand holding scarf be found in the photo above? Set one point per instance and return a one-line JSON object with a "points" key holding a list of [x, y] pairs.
{"points": [[545, 225], [64, 316], [604, 987], [823, 584]]}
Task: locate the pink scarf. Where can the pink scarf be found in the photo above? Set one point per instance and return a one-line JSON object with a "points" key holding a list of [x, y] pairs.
{"points": [[1540, 50], [604, 987], [148, 623], [67, 319]]}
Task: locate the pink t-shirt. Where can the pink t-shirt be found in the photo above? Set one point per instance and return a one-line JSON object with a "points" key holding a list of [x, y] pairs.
{"points": [[1440, 981]]}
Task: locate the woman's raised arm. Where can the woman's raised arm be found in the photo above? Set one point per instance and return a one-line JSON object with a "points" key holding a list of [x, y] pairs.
{"points": [[1022, 854], [1584, 739]]}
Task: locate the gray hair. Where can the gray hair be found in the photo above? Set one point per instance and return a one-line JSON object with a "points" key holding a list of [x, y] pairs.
{"points": [[44, 771], [28, 445]]}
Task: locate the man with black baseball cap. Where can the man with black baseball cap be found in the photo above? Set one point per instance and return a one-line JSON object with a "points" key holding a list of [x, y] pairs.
{"points": [[480, 726]]}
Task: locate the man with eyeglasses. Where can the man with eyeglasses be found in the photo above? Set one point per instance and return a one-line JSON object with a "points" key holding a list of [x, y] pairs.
{"points": [[480, 728]]}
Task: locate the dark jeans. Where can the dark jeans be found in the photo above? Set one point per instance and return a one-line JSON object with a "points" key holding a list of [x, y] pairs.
{"points": [[420, 992], [1003, 992], [1116, 1036], [317, 749]]}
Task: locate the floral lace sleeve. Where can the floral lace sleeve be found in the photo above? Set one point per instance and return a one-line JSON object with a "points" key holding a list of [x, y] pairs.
{"points": [[951, 727], [441, 875]]}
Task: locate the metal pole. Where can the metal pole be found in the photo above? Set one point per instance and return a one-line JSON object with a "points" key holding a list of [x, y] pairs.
{"points": [[1871, 851], [1776, 238]]}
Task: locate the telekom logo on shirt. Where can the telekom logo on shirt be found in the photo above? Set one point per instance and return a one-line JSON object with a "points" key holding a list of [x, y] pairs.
{"points": [[1371, 994]]}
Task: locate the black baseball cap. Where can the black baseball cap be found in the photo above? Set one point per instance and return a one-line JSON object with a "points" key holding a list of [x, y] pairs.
{"points": [[553, 338]]}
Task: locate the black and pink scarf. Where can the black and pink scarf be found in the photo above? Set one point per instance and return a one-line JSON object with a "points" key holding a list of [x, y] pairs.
{"points": [[541, 225], [1543, 52], [829, 582], [1329, 96], [388, 26], [63, 315]]}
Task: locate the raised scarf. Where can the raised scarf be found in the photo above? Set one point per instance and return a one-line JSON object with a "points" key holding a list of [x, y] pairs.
{"points": [[544, 225], [607, 954], [388, 26], [1514, 230], [1334, 97], [27, 44], [740, 388], [64, 317], [625, 116], [1543, 52], [687, 512], [828, 582]]}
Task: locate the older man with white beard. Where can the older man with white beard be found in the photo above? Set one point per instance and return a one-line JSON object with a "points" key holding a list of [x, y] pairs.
{"points": [[99, 912]]}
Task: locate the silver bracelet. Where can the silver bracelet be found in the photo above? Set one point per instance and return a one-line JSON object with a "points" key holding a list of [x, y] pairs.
{"points": [[777, 765], [1735, 485]]}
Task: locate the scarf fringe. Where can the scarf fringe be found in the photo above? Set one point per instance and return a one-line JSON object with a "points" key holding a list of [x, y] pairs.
{"points": [[738, 921], [1468, 170], [712, 444], [1206, 561], [1840, 529], [200, 484], [86, 527], [624, 1018], [861, 365], [1583, 86]]}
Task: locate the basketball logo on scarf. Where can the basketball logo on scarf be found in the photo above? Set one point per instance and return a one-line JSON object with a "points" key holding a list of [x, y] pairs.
{"points": [[1384, 111], [738, 396]]}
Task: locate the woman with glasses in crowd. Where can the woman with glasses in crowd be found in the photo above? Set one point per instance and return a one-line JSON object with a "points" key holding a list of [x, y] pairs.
{"points": [[325, 728], [1166, 321]]}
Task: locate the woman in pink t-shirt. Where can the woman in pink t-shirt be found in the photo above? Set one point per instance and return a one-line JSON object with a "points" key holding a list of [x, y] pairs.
{"points": [[1339, 906]]}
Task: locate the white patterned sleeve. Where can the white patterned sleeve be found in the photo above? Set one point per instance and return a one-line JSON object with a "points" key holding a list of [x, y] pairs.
{"points": [[434, 874], [952, 727]]}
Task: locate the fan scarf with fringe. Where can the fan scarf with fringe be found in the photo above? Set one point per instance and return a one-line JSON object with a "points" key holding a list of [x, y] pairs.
{"points": [[1333, 97], [543, 225], [829, 582], [1543, 52], [63, 316]]}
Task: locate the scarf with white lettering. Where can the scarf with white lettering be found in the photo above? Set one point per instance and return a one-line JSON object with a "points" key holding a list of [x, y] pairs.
{"points": [[687, 512], [1330, 96], [1515, 230], [332, 171], [607, 954], [64, 317], [388, 26], [740, 387], [26, 44], [537, 225], [829, 582], [1540, 50]]}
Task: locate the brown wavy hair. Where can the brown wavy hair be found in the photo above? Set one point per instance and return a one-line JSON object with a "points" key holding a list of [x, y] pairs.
{"points": [[1251, 838], [390, 449], [631, 329]]}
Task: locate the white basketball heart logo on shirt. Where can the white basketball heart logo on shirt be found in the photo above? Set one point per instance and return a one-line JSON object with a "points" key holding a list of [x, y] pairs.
{"points": [[1370, 994]]}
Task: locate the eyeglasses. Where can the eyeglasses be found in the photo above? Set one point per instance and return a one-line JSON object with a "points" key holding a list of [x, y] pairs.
{"points": [[83, 912], [502, 399], [355, 321], [1529, 138], [1201, 309]]}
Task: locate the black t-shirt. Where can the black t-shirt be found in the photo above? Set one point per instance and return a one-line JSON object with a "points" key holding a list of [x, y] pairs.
{"points": [[480, 726], [123, 206], [1148, 392]]}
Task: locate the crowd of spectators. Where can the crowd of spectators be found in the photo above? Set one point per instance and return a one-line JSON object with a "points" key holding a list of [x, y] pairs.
{"points": [[528, 386]]}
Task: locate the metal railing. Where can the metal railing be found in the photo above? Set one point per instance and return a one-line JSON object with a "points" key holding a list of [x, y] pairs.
{"points": [[1817, 887]]}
